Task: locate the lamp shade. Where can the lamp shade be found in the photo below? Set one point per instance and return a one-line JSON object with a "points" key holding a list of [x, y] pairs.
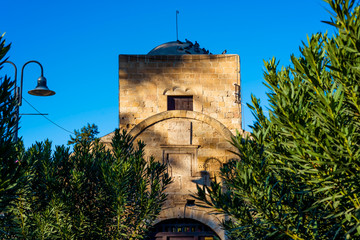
{"points": [[41, 88]]}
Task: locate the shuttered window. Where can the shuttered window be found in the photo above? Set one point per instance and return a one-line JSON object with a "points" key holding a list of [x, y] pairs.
{"points": [[180, 103]]}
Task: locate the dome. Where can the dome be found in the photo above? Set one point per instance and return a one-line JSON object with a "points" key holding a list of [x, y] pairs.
{"points": [[178, 48]]}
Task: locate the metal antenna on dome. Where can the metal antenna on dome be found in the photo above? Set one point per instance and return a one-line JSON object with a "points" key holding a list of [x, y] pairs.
{"points": [[177, 34]]}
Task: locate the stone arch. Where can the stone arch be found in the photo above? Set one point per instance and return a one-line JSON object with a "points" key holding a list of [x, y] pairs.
{"points": [[218, 126], [195, 213]]}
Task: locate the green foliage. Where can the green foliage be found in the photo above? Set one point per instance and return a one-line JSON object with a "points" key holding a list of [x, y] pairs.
{"points": [[11, 174], [91, 193], [298, 174]]}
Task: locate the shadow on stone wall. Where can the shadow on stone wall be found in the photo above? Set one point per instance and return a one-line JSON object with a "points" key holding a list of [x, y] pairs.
{"points": [[202, 74]]}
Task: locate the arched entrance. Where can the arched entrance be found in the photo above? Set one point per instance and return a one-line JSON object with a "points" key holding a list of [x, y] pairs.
{"points": [[182, 229]]}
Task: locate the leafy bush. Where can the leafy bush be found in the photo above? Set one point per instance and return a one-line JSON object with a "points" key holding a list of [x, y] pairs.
{"points": [[298, 174], [91, 193], [11, 174]]}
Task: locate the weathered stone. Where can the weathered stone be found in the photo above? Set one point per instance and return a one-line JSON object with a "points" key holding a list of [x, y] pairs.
{"points": [[194, 144]]}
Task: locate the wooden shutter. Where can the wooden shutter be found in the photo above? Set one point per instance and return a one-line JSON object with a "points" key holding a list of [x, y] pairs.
{"points": [[180, 103]]}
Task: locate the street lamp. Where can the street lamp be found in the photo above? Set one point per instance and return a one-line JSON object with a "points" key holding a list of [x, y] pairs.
{"points": [[41, 89]]}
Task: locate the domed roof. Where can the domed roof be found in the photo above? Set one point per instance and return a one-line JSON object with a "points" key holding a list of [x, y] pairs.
{"points": [[178, 48]]}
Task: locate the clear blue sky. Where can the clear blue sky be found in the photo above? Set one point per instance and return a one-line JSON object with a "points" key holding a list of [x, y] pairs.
{"points": [[78, 43]]}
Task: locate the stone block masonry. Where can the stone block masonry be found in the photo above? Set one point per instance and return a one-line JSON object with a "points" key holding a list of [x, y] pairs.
{"points": [[184, 108]]}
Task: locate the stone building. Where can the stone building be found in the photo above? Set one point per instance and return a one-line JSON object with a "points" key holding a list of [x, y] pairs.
{"points": [[184, 103]]}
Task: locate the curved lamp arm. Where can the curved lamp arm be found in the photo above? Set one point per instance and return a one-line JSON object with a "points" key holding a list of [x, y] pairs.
{"points": [[15, 77], [22, 77], [16, 96], [40, 90]]}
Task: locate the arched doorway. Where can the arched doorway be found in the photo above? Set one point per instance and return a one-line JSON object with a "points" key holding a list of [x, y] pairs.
{"points": [[182, 229]]}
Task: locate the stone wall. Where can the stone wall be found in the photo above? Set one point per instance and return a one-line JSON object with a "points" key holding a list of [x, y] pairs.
{"points": [[146, 81], [195, 143]]}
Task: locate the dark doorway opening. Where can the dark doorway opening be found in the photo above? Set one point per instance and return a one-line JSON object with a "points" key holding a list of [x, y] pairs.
{"points": [[182, 229]]}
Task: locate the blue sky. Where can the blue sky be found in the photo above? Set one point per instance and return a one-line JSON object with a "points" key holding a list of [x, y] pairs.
{"points": [[78, 43]]}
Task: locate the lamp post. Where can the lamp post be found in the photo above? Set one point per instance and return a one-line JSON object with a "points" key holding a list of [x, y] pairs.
{"points": [[41, 89]]}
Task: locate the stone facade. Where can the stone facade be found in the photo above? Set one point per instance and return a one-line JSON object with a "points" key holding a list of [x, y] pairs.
{"points": [[194, 141]]}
